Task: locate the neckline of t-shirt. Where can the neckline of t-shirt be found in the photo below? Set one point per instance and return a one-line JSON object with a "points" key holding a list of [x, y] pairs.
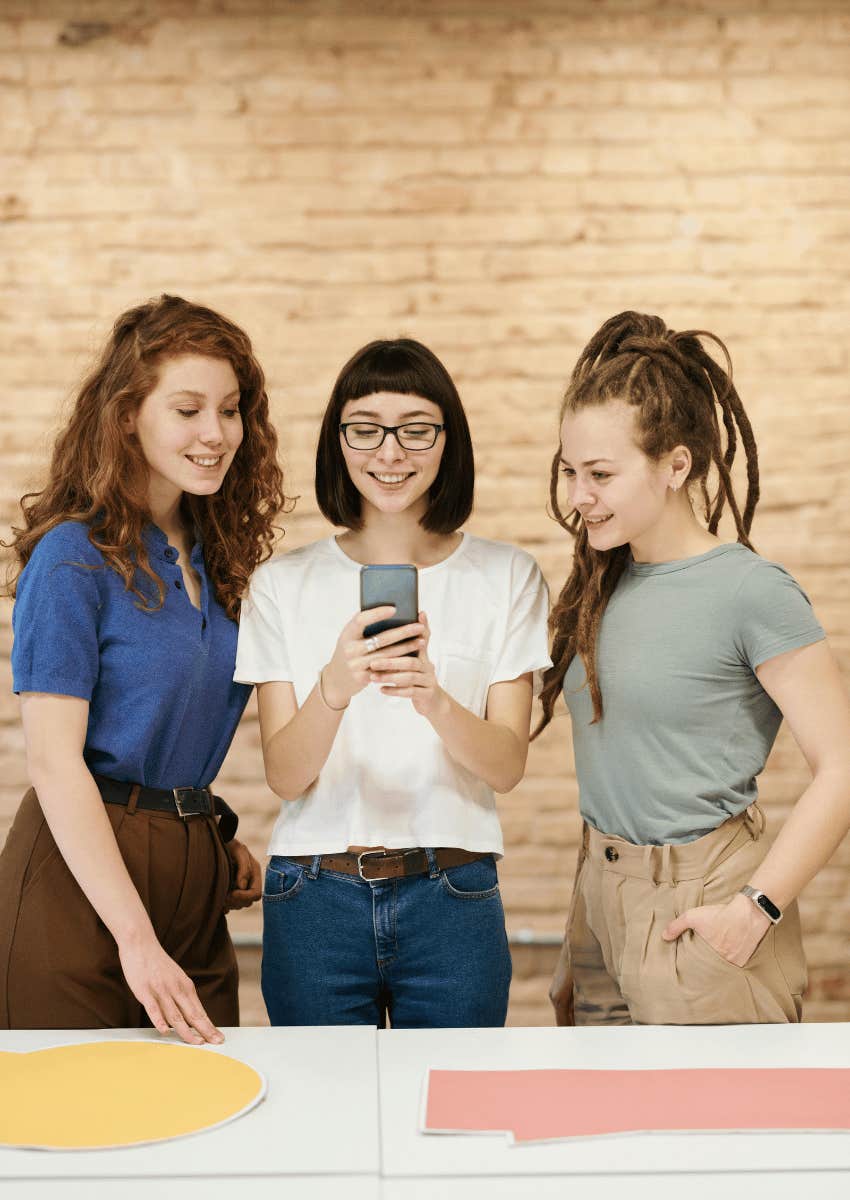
{"points": [[682, 564], [459, 548]]}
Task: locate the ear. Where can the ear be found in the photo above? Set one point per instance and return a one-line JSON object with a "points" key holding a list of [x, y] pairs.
{"points": [[679, 463], [127, 421]]}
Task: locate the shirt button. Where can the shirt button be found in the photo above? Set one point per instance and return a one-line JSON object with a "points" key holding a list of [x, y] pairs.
{"points": [[170, 553], [611, 854], [177, 584]]}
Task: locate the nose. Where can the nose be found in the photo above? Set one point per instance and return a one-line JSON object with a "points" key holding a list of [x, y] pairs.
{"points": [[212, 433], [581, 496], [390, 450]]}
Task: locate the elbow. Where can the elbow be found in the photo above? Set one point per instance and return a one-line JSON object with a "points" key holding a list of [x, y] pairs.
{"points": [[508, 778], [511, 769], [283, 788]]}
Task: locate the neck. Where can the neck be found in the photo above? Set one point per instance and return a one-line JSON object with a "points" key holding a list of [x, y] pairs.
{"points": [[165, 514], [677, 534], [396, 538]]}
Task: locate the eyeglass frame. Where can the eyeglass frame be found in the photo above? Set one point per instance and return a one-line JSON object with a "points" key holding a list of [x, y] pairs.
{"points": [[393, 429]]}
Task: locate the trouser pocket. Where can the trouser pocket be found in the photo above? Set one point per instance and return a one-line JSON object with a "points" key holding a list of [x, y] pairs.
{"points": [[687, 981]]}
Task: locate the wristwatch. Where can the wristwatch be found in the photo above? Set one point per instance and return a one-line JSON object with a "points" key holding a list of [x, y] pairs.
{"points": [[772, 911]]}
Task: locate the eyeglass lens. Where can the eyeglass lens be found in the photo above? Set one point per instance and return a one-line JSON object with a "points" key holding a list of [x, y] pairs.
{"points": [[364, 436]]}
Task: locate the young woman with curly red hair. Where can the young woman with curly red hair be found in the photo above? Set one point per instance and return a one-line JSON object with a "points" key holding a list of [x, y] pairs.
{"points": [[130, 566]]}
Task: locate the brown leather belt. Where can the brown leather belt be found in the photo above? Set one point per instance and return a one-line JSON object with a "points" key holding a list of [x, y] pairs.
{"points": [[389, 864]]}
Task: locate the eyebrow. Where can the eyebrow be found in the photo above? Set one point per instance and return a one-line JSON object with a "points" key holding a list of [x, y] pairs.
{"points": [[589, 463], [200, 395], [362, 412]]}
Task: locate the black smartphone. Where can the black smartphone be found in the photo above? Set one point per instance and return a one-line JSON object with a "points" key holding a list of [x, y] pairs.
{"points": [[390, 583]]}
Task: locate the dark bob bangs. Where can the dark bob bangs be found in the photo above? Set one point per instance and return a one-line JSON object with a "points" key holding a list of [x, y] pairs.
{"points": [[405, 366]]}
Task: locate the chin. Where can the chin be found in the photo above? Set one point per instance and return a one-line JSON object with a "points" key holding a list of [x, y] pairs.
{"points": [[609, 540]]}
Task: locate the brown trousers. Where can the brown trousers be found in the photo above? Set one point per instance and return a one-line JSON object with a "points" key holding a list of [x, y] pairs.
{"points": [[623, 970], [59, 966]]}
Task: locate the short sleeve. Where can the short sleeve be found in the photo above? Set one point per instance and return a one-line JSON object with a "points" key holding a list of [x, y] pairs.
{"points": [[773, 615], [262, 655], [525, 647], [56, 615]]}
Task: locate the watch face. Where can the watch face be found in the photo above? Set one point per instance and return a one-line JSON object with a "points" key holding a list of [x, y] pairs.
{"points": [[768, 906]]}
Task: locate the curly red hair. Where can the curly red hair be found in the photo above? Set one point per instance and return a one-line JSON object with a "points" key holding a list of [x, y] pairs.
{"points": [[99, 475]]}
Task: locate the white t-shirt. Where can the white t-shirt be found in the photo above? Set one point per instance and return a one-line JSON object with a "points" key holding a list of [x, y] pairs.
{"points": [[388, 780]]}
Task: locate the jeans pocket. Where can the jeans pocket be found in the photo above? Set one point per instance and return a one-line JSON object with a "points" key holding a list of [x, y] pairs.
{"points": [[476, 880], [284, 880]]}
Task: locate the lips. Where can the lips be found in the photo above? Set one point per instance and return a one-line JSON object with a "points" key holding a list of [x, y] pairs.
{"points": [[595, 522]]}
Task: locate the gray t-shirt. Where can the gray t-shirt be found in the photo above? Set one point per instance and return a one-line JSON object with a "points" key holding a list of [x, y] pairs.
{"points": [[686, 725]]}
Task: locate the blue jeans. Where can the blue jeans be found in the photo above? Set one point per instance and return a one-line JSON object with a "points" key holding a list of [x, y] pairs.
{"points": [[427, 950]]}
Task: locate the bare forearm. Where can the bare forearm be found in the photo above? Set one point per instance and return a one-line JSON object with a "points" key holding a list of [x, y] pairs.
{"points": [[77, 818], [491, 751], [295, 754], [817, 824]]}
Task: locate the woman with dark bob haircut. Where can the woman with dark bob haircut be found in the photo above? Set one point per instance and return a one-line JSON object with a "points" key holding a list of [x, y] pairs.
{"points": [[129, 571], [386, 743]]}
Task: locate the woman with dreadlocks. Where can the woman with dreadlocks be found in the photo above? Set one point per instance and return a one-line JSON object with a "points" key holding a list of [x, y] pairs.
{"points": [[679, 653]]}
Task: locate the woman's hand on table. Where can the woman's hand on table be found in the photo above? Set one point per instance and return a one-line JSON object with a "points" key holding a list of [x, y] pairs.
{"points": [[246, 876], [412, 678], [349, 670], [733, 930], [165, 991]]}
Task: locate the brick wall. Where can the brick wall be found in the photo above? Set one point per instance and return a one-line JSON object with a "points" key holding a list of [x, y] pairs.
{"points": [[495, 180]]}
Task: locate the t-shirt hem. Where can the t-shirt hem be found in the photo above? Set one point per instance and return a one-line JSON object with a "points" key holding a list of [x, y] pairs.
{"points": [[508, 674], [252, 678], [299, 850], [774, 649], [54, 687]]}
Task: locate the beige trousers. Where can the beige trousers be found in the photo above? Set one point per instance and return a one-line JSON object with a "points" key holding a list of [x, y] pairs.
{"points": [[623, 970]]}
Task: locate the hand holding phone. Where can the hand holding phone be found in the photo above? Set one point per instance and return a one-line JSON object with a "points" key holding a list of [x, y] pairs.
{"points": [[394, 619]]}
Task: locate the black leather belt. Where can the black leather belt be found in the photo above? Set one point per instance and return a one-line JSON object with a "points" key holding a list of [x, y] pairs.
{"points": [[179, 802]]}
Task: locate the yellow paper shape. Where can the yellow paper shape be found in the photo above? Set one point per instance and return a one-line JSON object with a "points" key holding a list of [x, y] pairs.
{"points": [[101, 1094]]}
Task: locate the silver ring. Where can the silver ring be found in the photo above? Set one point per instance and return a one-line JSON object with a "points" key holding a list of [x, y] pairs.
{"points": [[371, 644]]}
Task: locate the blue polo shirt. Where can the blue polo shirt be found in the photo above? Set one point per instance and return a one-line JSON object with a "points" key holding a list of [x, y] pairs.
{"points": [[163, 706]]}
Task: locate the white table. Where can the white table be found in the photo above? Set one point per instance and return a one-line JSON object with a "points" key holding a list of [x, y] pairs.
{"points": [[341, 1119], [319, 1118], [404, 1057]]}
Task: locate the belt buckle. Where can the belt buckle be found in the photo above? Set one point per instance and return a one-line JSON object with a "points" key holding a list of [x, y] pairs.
{"points": [[402, 854], [183, 796], [370, 854]]}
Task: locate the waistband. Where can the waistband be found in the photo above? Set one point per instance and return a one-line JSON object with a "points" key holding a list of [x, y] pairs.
{"points": [[181, 802], [390, 864], [672, 863]]}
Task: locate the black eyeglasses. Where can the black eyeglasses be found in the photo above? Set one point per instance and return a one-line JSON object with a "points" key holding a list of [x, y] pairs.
{"points": [[416, 435]]}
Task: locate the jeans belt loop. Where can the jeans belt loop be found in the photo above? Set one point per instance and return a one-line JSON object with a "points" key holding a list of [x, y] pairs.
{"points": [[433, 869], [314, 867]]}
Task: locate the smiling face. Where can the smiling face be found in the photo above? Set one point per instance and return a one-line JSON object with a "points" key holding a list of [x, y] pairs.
{"points": [[189, 428], [620, 493], [392, 479]]}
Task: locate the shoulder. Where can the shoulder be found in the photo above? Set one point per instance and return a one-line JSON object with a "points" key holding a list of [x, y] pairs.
{"points": [[758, 579], [503, 558], [288, 568], [66, 544]]}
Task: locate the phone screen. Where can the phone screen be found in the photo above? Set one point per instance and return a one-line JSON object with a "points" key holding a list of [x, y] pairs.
{"points": [[390, 583]]}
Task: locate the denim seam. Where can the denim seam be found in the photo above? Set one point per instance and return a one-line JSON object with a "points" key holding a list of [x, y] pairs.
{"points": [[453, 891]]}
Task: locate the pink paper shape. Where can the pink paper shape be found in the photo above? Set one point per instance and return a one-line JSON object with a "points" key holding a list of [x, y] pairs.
{"points": [[538, 1105]]}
